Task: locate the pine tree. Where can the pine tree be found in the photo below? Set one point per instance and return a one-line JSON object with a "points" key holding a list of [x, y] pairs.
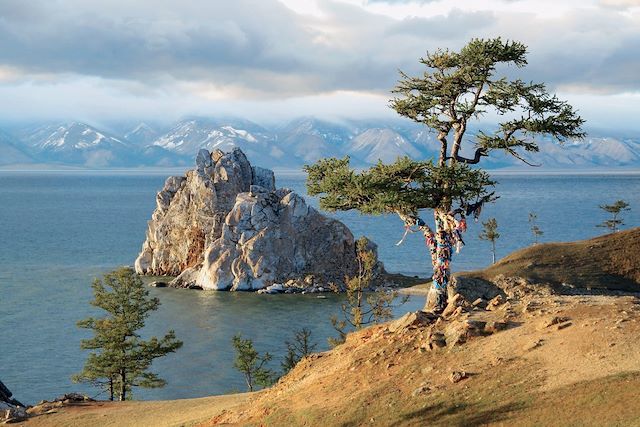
{"points": [[363, 308], [251, 364], [535, 230], [490, 233], [614, 223], [121, 359], [296, 350], [455, 89]]}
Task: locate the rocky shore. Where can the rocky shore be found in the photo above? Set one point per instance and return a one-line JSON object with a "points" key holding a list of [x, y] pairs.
{"points": [[11, 410]]}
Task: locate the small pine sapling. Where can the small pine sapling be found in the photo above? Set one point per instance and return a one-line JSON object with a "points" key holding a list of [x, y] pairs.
{"points": [[490, 233], [251, 364], [120, 359], [301, 347], [535, 230], [614, 209], [361, 307]]}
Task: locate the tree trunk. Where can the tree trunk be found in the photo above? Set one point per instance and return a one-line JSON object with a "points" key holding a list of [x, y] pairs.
{"points": [[111, 388], [442, 137], [493, 251], [249, 382], [123, 385], [441, 252]]}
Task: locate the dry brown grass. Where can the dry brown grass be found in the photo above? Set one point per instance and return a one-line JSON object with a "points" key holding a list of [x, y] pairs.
{"points": [[581, 369], [611, 261], [585, 373], [182, 412]]}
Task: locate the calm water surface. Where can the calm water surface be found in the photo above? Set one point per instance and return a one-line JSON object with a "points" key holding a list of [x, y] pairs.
{"points": [[59, 230]]}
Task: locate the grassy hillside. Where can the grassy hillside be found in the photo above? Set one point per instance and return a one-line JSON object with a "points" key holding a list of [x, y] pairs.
{"points": [[611, 261], [561, 360], [527, 357]]}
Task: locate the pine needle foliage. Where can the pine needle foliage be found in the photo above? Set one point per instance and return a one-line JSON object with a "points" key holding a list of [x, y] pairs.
{"points": [[614, 209], [120, 359], [363, 306], [405, 186], [455, 89], [251, 364], [300, 347]]}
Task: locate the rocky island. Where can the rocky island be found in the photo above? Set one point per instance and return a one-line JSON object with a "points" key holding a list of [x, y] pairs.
{"points": [[225, 226]]}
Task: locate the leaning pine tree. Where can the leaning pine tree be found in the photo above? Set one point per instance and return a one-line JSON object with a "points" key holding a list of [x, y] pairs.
{"points": [[455, 89]]}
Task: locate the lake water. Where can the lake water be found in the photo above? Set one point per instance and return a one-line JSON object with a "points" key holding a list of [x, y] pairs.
{"points": [[59, 230]]}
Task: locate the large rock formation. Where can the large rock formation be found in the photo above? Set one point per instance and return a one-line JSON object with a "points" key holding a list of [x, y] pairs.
{"points": [[191, 210], [224, 226]]}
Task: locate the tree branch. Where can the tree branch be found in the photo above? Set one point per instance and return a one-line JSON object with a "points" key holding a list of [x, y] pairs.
{"points": [[442, 137], [480, 152]]}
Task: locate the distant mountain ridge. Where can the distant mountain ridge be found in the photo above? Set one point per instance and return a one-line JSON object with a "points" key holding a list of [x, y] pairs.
{"points": [[290, 145], [11, 153]]}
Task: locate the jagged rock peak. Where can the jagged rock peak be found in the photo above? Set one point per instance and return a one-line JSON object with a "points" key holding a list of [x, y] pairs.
{"points": [[190, 210]]}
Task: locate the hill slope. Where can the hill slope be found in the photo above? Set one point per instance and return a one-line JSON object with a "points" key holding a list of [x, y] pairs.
{"points": [[611, 261], [579, 353], [11, 154], [528, 356]]}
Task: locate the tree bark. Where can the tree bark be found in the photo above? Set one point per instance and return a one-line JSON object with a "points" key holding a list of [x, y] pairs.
{"points": [[111, 388], [441, 252], [249, 382], [442, 137], [123, 385], [457, 142], [493, 251]]}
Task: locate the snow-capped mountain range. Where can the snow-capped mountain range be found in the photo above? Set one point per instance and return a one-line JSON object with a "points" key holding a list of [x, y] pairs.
{"points": [[291, 145]]}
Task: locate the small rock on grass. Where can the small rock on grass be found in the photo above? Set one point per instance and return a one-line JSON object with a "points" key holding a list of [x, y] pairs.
{"points": [[555, 320], [533, 345], [493, 327], [13, 415], [494, 303], [452, 305], [477, 302], [457, 376], [560, 326], [424, 388]]}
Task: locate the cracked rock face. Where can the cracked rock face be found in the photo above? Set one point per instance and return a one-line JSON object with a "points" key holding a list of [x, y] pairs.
{"points": [[190, 212], [225, 227]]}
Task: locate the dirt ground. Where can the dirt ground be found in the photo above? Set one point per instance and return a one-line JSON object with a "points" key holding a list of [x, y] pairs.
{"points": [[183, 412]]}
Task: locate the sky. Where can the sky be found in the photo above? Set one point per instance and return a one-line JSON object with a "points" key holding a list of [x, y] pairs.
{"points": [[270, 60]]}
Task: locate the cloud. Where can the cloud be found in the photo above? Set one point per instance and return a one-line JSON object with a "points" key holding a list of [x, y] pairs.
{"points": [[620, 4], [456, 25], [148, 38], [594, 49], [400, 1], [193, 53]]}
